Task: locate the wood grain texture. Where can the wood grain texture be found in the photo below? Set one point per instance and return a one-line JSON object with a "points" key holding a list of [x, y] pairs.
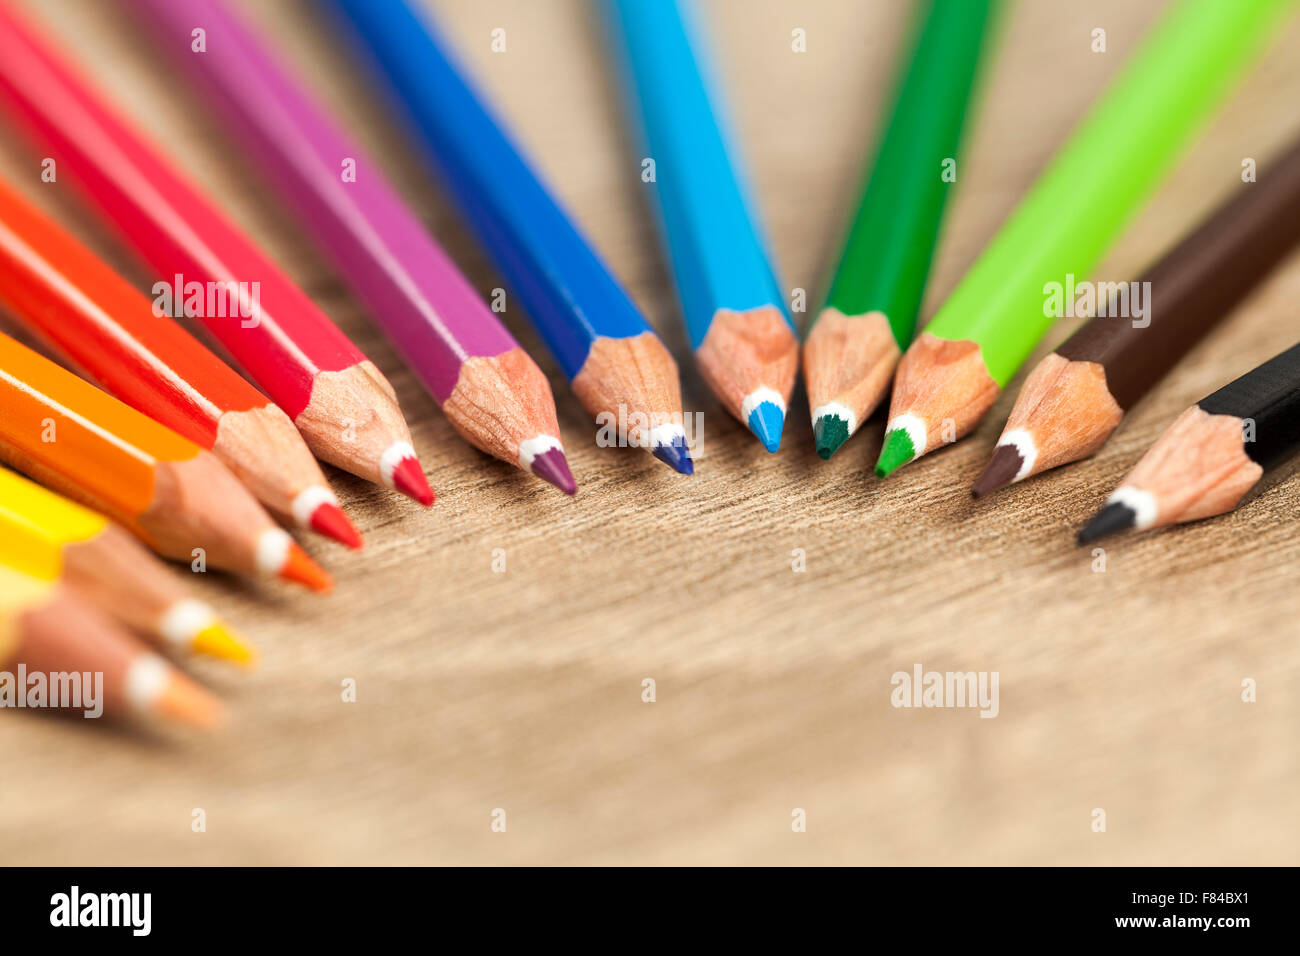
{"points": [[522, 690]]}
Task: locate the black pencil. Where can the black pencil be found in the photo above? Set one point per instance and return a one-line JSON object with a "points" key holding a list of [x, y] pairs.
{"points": [[1213, 454]]}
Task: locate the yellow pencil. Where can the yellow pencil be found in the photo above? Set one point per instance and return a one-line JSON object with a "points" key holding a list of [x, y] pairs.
{"points": [[47, 536]]}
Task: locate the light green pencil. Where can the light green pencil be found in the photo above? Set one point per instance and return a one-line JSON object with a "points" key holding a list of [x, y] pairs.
{"points": [[1124, 147]]}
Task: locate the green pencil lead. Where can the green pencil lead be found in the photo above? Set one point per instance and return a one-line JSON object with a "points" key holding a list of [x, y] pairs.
{"points": [[831, 431], [896, 453]]}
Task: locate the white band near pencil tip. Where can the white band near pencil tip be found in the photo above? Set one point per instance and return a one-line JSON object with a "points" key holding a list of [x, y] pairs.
{"points": [[308, 500], [839, 411], [1141, 503], [757, 397], [531, 448], [273, 550], [667, 434], [1025, 447], [915, 428], [397, 452], [183, 620], [146, 678]]}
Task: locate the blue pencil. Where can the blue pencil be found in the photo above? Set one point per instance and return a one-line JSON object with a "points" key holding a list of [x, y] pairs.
{"points": [[744, 341], [620, 370]]}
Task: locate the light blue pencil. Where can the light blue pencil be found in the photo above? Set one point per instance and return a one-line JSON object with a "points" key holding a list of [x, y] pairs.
{"points": [[744, 341]]}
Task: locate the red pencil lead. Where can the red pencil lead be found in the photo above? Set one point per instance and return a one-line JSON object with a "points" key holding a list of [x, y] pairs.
{"points": [[408, 478], [329, 519]]}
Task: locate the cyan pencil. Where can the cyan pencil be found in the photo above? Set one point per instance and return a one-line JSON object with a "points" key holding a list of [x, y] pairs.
{"points": [[742, 336]]}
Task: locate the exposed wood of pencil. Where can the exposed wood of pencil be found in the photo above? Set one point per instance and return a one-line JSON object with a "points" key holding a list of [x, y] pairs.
{"points": [[198, 503], [1064, 412], [352, 421], [54, 630], [265, 452], [848, 361], [744, 352], [943, 387], [1198, 468], [502, 405], [117, 573], [637, 376]]}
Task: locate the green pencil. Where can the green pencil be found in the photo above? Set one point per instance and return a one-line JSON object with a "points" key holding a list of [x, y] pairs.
{"points": [[1126, 144], [870, 314]]}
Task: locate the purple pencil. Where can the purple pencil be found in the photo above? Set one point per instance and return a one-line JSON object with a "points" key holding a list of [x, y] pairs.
{"points": [[491, 391]]}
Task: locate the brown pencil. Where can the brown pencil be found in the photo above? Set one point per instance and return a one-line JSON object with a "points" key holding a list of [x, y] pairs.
{"points": [[59, 651], [1077, 396]]}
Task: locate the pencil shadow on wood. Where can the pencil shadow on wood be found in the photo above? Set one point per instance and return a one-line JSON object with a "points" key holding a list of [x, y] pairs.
{"points": [[117, 732]]}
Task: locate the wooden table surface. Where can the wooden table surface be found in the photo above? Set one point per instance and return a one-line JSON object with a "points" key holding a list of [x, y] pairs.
{"points": [[522, 690]]}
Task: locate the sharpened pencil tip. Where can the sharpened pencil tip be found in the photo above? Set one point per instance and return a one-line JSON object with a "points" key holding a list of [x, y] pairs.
{"points": [[329, 519], [1114, 517], [830, 431], [408, 478], [217, 640], [1000, 471], [184, 701], [301, 569], [676, 455], [552, 466], [766, 422], [896, 452]]}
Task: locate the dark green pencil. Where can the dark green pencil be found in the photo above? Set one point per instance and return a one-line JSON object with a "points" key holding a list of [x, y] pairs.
{"points": [[870, 314]]}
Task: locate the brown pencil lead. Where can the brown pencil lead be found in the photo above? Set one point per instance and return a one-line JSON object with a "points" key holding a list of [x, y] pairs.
{"points": [[1001, 471]]}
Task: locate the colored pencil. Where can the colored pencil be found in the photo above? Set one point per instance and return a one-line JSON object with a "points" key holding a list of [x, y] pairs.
{"points": [[740, 331], [345, 408], [60, 291], [1213, 454], [619, 368], [870, 315], [46, 629], [1077, 396], [45, 535], [954, 371], [490, 389], [174, 495]]}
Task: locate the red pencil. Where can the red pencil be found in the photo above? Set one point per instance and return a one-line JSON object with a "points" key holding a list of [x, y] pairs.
{"points": [[342, 404], [59, 290]]}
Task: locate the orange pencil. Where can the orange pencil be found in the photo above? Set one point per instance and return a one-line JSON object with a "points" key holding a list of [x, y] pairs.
{"points": [[61, 291], [178, 498]]}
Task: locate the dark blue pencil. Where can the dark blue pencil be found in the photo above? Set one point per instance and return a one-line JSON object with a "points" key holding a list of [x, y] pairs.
{"points": [[619, 368]]}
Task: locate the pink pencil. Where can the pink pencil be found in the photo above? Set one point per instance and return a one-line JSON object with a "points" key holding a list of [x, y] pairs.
{"points": [[492, 392]]}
